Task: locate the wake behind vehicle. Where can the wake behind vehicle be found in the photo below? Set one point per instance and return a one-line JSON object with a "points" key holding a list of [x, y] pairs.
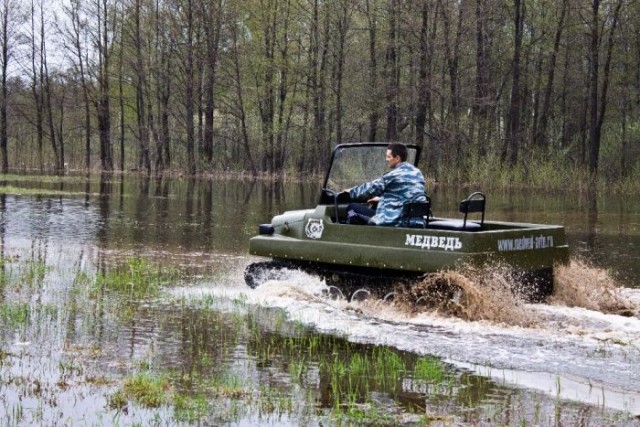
{"points": [[376, 258]]}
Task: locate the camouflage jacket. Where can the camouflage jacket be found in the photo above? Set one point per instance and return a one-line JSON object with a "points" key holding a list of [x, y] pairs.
{"points": [[400, 185]]}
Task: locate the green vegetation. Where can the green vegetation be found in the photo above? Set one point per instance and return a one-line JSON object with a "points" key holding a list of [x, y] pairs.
{"points": [[137, 278], [42, 178], [32, 272], [429, 369], [9, 189], [144, 389], [14, 315]]}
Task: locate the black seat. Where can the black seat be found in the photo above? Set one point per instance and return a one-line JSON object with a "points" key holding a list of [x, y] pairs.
{"points": [[416, 214], [475, 203]]}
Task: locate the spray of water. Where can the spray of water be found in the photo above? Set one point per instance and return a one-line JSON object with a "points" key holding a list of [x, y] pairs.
{"points": [[471, 294], [579, 284], [491, 294]]}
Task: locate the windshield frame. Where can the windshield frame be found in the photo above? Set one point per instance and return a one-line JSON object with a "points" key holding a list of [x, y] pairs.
{"points": [[414, 155]]}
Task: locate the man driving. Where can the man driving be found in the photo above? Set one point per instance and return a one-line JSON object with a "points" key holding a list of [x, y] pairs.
{"points": [[404, 183]]}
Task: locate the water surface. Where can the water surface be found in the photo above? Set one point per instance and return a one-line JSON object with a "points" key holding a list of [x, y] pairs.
{"points": [[69, 342]]}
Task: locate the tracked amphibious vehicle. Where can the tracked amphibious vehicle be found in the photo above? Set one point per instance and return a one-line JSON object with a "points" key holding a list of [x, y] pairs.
{"points": [[367, 259]]}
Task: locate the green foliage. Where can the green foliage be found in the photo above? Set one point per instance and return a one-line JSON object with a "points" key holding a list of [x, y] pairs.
{"points": [[13, 315], [144, 389], [33, 272], [429, 369], [137, 278]]}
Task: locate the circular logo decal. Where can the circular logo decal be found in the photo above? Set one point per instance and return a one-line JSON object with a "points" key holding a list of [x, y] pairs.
{"points": [[314, 228]]}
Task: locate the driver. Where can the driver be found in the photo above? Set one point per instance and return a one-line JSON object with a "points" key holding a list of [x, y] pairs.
{"points": [[404, 183]]}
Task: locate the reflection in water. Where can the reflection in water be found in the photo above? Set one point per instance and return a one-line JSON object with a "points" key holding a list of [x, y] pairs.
{"points": [[592, 218]]}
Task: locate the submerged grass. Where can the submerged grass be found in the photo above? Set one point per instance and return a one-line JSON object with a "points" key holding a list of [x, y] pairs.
{"points": [[52, 179], [14, 314], [32, 272], [144, 389], [429, 369], [20, 191], [136, 278]]}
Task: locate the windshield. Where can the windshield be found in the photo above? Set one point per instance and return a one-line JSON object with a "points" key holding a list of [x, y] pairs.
{"points": [[358, 163]]}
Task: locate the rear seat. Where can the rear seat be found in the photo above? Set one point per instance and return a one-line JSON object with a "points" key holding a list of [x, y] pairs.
{"points": [[475, 203]]}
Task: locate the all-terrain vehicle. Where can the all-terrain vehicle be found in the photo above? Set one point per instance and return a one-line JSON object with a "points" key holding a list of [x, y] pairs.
{"points": [[374, 259]]}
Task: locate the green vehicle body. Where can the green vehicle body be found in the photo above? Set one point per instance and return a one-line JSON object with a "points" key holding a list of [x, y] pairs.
{"points": [[321, 239], [420, 250]]}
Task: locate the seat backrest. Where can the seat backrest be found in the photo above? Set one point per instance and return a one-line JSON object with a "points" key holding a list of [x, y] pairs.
{"points": [[419, 210], [476, 202]]}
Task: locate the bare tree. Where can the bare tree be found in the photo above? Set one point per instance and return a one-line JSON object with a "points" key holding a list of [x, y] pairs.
{"points": [[161, 69], [102, 101], [10, 19], [342, 25], [514, 136], [540, 132], [597, 97], [142, 88], [76, 33], [212, 21], [37, 84], [45, 78]]}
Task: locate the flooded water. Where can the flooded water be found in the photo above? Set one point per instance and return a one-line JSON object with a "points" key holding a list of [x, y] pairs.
{"points": [[123, 302]]}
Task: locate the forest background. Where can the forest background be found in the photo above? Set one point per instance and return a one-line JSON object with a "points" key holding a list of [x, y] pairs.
{"points": [[533, 93]]}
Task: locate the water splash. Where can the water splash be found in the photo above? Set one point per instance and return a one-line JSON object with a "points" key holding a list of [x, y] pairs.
{"points": [[580, 284], [469, 295], [492, 294]]}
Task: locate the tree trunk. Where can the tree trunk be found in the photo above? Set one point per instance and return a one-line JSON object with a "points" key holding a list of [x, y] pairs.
{"points": [[319, 51], [37, 91], [144, 162], [211, 12], [75, 36], [3, 101], [424, 91], [61, 127], [241, 112], [514, 135], [342, 32], [46, 82], [103, 104], [391, 73], [374, 114], [189, 96], [452, 51], [49, 108], [597, 100], [540, 136], [121, 102]]}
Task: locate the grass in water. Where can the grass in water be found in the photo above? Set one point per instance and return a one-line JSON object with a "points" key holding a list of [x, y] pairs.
{"points": [[48, 179], [144, 389], [137, 278], [429, 369], [18, 191], [14, 314]]}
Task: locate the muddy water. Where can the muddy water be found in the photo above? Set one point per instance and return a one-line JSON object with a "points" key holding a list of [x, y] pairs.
{"points": [[73, 340]]}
